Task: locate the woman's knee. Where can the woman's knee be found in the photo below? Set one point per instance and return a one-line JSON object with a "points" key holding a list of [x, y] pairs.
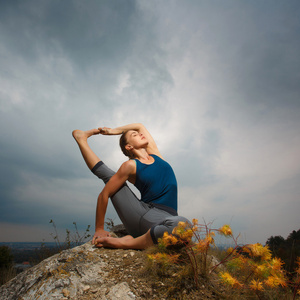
{"points": [[102, 171], [166, 226]]}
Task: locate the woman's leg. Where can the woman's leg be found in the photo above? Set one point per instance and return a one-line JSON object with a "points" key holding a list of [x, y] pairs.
{"points": [[166, 225], [81, 138], [128, 207]]}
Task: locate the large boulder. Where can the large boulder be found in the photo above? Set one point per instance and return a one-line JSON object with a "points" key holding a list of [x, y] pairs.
{"points": [[84, 272]]}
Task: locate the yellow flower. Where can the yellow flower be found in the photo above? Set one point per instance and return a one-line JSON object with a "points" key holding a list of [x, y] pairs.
{"points": [[271, 282], [183, 231], [276, 263], [281, 281], [173, 240], [257, 250], [256, 285], [229, 250], [188, 234], [261, 269], [228, 279], [163, 258], [275, 281], [195, 228], [201, 246], [209, 238], [179, 230], [169, 239], [225, 230], [182, 224]]}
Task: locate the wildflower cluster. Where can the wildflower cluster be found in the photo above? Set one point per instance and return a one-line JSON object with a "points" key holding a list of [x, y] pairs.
{"points": [[252, 268], [185, 251], [184, 256], [181, 235]]}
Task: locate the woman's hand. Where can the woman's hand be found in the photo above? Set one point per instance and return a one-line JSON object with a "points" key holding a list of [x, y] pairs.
{"points": [[105, 131], [99, 233]]}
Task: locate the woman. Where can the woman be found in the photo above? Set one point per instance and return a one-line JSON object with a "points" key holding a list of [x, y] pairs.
{"points": [[147, 219]]}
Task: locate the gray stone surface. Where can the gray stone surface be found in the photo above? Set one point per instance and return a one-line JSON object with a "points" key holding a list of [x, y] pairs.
{"points": [[78, 273]]}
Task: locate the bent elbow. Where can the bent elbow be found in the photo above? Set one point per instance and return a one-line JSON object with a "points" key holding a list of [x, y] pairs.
{"points": [[102, 196]]}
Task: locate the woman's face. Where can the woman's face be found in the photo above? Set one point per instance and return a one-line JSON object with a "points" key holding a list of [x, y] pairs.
{"points": [[135, 139]]}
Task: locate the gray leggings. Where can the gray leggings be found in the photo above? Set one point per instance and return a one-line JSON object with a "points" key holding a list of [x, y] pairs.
{"points": [[138, 217]]}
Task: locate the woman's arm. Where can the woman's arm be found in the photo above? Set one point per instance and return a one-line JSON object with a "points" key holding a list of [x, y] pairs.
{"points": [[120, 130], [151, 148], [113, 185]]}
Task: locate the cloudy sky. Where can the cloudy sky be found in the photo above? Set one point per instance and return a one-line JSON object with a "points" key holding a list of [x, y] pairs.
{"points": [[215, 82]]}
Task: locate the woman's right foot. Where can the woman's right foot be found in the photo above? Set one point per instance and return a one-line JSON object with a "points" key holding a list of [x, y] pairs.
{"points": [[80, 135]]}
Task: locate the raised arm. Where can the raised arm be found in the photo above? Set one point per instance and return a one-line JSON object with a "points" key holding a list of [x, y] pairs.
{"points": [[151, 148]]}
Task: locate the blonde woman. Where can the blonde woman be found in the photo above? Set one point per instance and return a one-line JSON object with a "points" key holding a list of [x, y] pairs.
{"points": [[146, 219]]}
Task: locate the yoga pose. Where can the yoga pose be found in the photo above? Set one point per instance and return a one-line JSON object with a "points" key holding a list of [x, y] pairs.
{"points": [[147, 219]]}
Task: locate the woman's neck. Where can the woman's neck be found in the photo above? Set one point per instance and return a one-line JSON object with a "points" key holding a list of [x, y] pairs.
{"points": [[142, 155]]}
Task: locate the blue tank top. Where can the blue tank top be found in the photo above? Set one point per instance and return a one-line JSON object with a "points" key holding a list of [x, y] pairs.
{"points": [[157, 183]]}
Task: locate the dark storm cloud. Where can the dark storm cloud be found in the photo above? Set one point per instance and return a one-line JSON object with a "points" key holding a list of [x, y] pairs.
{"points": [[89, 31]]}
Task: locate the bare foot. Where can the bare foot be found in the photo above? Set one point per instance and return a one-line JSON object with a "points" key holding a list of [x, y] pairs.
{"points": [[80, 135], [111, 242]]}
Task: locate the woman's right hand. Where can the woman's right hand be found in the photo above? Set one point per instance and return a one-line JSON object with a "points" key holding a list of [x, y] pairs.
{"points": [[105, 130], [99, 233]]}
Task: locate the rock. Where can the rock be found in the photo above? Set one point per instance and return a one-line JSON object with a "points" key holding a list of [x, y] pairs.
{"points": [[87, 272], [66, 293], [119, 230], [70, 274], [120, 291], [86, 288]]}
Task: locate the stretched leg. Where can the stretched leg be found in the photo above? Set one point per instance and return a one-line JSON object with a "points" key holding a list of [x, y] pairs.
{"points": [[81, 138], [128, 207], [127, 242]]}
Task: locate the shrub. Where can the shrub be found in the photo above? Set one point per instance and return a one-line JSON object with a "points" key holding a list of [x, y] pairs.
{"points": [[183, 259], [72, 239]]}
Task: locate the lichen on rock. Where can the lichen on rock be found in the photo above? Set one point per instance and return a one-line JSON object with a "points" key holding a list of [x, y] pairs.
{"points": [[78, 273]]}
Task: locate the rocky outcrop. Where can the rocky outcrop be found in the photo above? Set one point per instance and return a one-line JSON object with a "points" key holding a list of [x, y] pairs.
{"points": [[84, 272]]}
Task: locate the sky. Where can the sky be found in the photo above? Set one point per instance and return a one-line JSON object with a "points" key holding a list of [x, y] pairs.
{"points": [[215, 82]]}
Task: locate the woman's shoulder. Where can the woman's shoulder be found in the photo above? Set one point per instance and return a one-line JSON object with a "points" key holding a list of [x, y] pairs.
{"points": [[128, 169], [155, 155], [128, 166]]}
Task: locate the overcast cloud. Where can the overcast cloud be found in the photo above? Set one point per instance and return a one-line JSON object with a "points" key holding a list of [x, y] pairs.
{"points": [[215, 82]]}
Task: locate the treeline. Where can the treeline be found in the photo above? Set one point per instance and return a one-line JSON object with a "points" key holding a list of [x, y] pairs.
{"points": [[6, 264], [33, 256], [286, 249], [9, 257]]}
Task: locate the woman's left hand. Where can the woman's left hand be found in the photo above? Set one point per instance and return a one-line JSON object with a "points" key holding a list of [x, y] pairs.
{"points": [[98, 234]]}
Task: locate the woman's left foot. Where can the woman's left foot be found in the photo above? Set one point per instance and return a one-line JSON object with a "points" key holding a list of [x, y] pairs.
{"points": [[109, 242]]}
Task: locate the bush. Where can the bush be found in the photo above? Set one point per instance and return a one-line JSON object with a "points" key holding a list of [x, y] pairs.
{"points": [[183, 259]]}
